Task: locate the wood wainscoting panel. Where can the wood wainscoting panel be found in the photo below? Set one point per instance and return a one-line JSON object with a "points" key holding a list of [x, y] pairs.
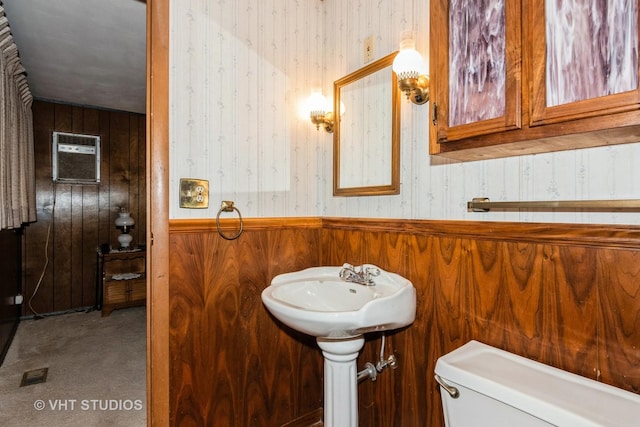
{"points": [[570, 309], [618, 284], [565, 295], [231, 362], [343, 246]]}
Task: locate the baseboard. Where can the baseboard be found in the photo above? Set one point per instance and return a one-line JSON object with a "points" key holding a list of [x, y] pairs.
{"points": [[57, 313]]}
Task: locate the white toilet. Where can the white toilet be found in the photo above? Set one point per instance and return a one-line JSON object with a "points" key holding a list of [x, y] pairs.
{"points": [[482, 386]]}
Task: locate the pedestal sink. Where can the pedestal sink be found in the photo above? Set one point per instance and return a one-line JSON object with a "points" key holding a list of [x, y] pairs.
{"points": [[316, 301]]}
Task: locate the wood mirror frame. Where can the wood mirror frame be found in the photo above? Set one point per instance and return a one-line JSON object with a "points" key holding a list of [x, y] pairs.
{"points": [[369, 85]]}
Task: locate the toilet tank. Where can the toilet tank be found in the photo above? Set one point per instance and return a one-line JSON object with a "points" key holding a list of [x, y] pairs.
{"points": [[501, 389]]}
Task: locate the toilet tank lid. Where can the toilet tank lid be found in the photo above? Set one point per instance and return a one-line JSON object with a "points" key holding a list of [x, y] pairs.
{"points": [[553, 395]]}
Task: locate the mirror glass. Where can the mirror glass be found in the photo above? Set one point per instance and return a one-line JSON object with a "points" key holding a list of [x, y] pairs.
{"points": [[366, 136]]}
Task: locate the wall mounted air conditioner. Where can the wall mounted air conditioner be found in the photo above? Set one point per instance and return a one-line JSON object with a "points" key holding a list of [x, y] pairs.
{"points": [[76, 158]]}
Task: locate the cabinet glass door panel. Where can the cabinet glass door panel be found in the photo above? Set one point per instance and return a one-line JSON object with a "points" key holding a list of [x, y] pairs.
{"points": [[592, 49], [477, 66], [591, 59]]}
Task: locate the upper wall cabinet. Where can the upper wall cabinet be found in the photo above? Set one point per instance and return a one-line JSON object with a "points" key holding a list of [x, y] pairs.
{"points": [[512, 77]]}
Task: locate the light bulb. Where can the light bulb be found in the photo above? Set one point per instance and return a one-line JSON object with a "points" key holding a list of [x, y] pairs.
{"points": [[317, 104], [408, 63]]}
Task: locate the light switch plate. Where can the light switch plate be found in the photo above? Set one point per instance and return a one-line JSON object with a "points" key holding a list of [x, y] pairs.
{"points": [[194, 193], [368, 49]]}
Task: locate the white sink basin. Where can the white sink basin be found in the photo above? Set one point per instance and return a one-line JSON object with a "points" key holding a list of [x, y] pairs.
{"points": [[317, 302]]}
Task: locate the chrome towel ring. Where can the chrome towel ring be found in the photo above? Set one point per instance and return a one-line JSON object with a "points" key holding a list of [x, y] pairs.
{"points": [[228, 206]]}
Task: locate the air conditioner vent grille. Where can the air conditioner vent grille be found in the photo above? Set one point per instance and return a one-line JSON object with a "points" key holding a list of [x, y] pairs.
{"points": [[76, 158]]}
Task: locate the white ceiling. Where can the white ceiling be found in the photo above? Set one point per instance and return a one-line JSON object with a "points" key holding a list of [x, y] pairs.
{"points": [[84, 52]]}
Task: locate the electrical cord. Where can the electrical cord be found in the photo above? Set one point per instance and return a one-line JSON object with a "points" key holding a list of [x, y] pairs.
{"points": [[37, 315]]}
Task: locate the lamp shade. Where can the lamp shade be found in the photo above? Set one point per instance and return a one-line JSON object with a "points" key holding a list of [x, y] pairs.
{"points": [[408, 63], [125, 222], [124, 219], [318, 104]]}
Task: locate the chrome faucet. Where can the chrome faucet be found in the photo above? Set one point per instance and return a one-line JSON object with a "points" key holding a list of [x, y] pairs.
{"points": [[361, 275]]}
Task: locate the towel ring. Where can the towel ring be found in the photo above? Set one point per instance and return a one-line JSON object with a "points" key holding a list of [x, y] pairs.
{"points": [[228, 206]]}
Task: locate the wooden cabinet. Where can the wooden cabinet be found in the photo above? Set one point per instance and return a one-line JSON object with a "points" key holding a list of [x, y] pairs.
{"points": [[511, 77], [122, 280]]}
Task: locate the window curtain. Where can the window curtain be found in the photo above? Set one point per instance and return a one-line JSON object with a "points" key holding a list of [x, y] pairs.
{"points": [[17, 174]]}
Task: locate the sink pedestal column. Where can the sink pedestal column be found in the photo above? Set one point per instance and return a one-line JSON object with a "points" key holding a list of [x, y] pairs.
{"points": [[341, 380]]}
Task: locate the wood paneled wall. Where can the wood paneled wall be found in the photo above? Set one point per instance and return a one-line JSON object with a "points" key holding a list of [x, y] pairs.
{"points": [[566, 295], [82, 217], [231, 364]]}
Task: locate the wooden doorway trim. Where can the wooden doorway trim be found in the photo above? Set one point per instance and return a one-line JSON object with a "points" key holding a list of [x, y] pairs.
{"points": [[158, 213]]}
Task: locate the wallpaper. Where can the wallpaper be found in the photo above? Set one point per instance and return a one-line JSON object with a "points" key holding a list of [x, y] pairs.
{"points": [[240, 71]]}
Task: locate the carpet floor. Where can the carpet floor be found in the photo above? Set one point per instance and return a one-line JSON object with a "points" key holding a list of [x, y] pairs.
{"points": [[96, 371]]}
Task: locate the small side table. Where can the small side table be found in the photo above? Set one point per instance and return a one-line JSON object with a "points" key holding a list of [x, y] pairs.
{"points": [[121, 280]]}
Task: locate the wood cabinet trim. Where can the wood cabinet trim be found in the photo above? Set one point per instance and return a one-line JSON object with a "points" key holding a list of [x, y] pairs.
{"points": [[584, 133]]}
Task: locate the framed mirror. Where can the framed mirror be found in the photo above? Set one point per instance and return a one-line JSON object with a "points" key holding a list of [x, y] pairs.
{"points": [[366, 135]]}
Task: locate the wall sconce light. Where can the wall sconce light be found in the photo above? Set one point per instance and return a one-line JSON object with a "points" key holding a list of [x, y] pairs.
{"points": [[409, 67], [124, 222], [320, 113]]}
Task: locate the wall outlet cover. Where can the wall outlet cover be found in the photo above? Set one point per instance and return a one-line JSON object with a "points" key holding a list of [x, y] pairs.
{"points": [[194, 193]]}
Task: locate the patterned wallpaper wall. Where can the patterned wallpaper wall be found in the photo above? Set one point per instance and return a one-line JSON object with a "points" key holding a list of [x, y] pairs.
{"points": [[241, 69]]}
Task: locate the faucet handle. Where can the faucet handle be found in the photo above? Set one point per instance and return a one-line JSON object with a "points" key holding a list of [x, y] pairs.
{"points": [[372, 271], [346, 271]]}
